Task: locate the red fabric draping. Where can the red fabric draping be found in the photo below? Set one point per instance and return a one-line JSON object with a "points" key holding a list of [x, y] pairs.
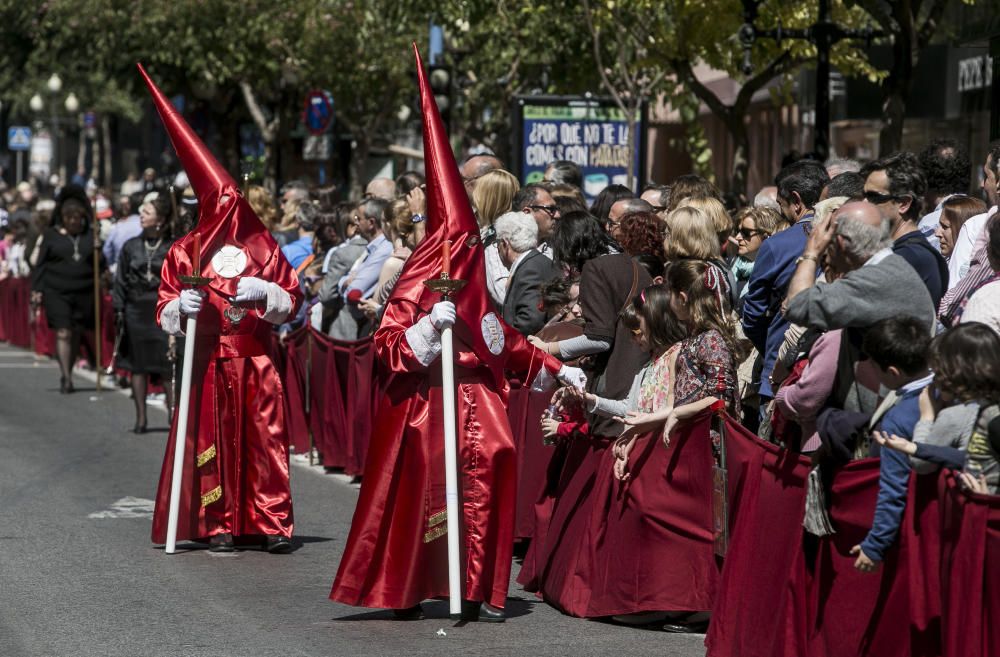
{"points": [[651, 539], [15, 325], [970, 572], [345, 392], [524, 409], [344, 389], [289, 360], [787, 594]]}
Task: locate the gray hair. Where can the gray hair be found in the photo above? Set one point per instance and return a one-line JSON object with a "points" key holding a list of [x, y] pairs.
{"points": [[519, 229], [838, 165], [765, 200], [863, 239]]}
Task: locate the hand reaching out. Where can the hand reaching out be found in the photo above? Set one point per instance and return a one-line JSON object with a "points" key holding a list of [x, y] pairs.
{"points": [[895, 442], [863, 563]]}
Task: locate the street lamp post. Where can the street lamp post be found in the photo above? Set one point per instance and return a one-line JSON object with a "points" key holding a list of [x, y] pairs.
{"points": [[72, 105], [824, 33]]}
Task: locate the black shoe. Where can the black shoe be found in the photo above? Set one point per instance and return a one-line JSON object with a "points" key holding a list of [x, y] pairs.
{"points": [[221, 543], [416, 612], [697, 627], [139, 428], [66, 386], [481, 612], [278, 545]]}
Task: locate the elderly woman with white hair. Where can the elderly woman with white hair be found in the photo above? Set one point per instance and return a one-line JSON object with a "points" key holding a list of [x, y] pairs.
{"points": [[517, 239]]}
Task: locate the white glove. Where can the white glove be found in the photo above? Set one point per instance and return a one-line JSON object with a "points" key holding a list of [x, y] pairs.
{"points": [[250, 289], [443, 314], [572, 376], [191, 301]]}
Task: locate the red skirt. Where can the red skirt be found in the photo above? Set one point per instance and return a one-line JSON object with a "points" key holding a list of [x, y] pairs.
{"points": [[651, 536]]}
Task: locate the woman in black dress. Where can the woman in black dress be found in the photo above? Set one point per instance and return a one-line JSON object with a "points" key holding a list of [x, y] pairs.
{"points": [[145, 346], [63, 277]]}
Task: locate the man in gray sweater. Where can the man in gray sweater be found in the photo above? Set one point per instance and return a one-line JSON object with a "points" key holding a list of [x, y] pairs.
{"points": [[876, 283]]}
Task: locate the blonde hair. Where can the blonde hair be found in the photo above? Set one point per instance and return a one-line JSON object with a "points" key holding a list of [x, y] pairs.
{"points": [[766, 220], [716, 212], [690, 234], [400, 219], [493, 195], [262, 205]]}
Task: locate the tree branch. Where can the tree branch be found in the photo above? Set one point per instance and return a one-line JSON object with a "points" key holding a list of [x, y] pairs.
{"points": [[706, 95], [266, 129]]}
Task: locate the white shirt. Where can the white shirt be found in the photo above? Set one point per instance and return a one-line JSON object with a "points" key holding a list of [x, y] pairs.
{"points": [[965, 246], [879, 256], [984, 306], [513, 265]]}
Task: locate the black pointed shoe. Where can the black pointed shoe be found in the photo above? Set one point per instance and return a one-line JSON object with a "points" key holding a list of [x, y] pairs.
{"points": [[481, 612], [278, 545], [221, 543]]}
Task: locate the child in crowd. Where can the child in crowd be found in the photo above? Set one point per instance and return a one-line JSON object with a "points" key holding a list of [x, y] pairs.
{"points": [[897, 346], [656, 331], [706, 359], [961, 410]]}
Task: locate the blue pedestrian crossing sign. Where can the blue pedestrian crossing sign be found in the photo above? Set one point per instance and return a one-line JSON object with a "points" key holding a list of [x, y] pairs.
{"points": [[19, 138]]}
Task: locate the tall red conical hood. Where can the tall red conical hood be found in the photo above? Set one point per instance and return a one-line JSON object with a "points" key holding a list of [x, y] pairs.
{"points": [[224, 216], [449, 218]]}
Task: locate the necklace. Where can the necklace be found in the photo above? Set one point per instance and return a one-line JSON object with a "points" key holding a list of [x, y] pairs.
{"points": [[150, 251], [75, 239]]}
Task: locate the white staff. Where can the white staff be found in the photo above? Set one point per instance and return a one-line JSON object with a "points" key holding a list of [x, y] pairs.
{"points": [[183, 406], [443, 318]]}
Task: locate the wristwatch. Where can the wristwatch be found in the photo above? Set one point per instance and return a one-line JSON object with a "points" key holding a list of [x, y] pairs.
{"points": [[804, 257], [417, 218]]}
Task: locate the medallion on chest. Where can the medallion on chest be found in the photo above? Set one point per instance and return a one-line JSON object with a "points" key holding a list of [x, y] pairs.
{"points": [[493, 333], [229, 262]]}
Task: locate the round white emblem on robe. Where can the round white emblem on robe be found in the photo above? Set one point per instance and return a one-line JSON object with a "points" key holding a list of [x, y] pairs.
{"points": [[493, 334], [229, 261]]}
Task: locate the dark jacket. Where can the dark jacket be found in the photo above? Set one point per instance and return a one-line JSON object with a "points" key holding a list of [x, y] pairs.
{"points": [[520, 305]]}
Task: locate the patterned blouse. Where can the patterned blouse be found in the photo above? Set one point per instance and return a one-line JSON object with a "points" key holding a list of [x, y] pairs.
{"points": [[703, 362], [655, 388]]}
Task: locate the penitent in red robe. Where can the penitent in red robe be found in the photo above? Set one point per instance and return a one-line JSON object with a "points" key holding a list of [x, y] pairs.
{"points": [[396, 554], [236, 458]]}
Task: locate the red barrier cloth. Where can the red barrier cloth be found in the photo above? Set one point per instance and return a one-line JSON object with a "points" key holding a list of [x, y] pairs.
{"points": [[784, 593], [524, 410], [290, 361], [557, 567], [651, 537], [327, 415], [761, 607], [970, 572], [15, 326], [361, 392]]}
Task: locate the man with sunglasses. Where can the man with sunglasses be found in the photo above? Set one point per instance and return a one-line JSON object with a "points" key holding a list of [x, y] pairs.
{"points": [[538, 202], [896, 185]]}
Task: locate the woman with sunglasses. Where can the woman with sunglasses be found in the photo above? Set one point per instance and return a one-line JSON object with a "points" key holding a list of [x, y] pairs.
{"points": [[753, 226]]}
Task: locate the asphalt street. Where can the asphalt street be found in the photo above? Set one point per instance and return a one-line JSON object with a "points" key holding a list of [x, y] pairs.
{"points": [[79, 576]]}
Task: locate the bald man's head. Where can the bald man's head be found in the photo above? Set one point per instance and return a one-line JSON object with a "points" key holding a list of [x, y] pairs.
{"points": [[862, 231], [477, 166], [383, 188]]}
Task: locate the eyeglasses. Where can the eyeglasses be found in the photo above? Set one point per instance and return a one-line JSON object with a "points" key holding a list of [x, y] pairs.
{"points": [[748, 233], [547, 209], [878, 198]]}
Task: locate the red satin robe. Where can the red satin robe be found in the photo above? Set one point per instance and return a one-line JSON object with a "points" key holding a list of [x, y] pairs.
{"points": [[396, 554], [236, 456]]}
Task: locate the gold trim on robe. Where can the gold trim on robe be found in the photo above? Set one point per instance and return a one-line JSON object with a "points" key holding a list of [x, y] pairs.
{"points": [[206, 456], [436, 526], [213, 495]]}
